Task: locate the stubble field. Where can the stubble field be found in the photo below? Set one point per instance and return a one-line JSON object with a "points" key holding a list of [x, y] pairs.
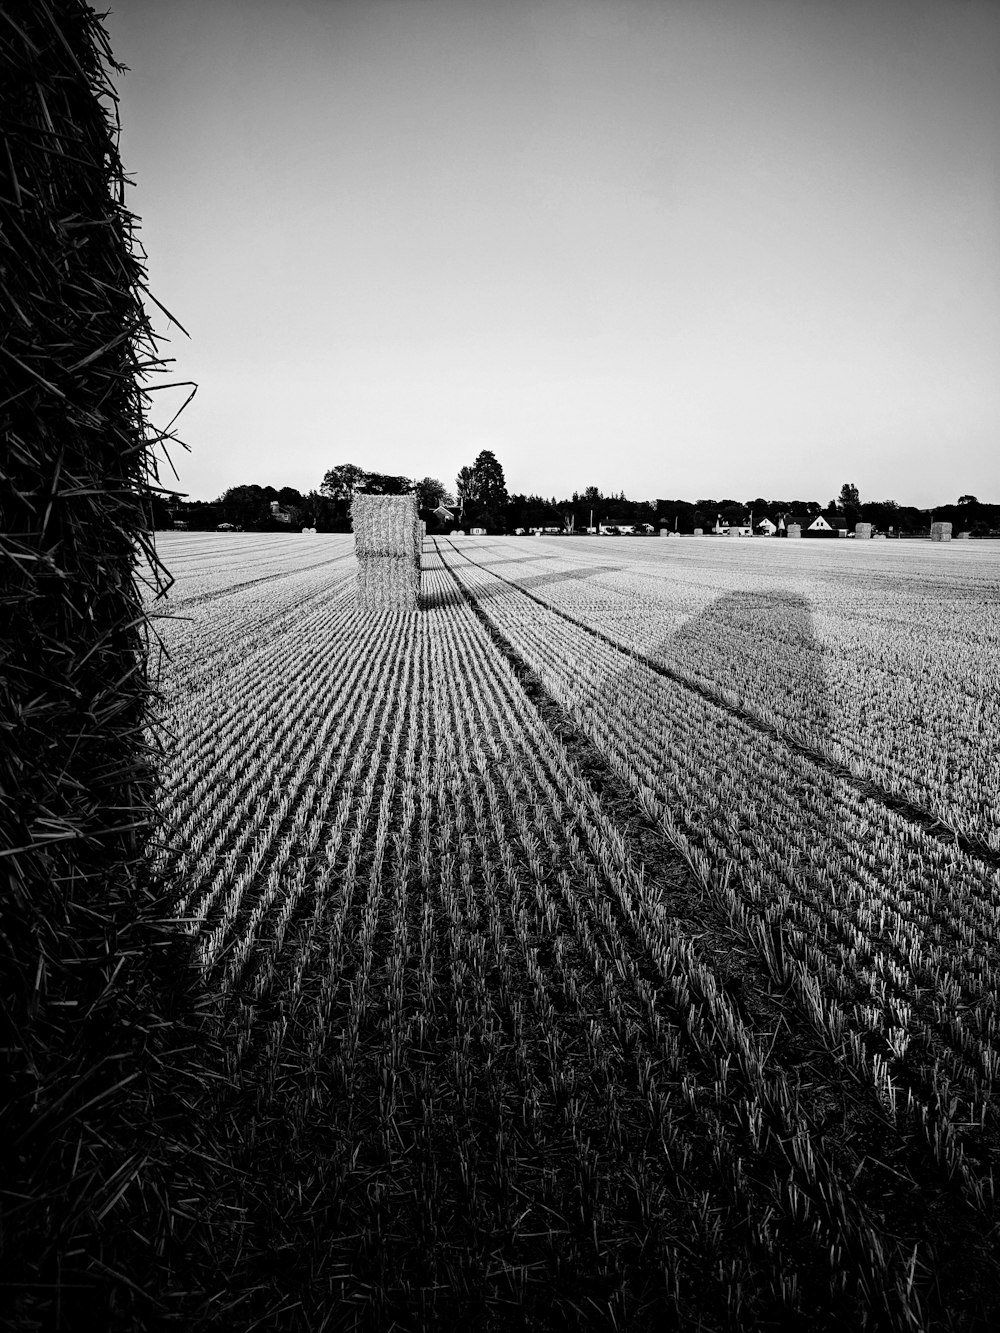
{"points": [[613, 943]]}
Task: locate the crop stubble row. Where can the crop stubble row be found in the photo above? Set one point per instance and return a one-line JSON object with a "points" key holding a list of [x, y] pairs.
{"points": [[439, 943]]}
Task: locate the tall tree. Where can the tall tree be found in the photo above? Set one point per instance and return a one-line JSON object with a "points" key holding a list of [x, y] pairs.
{"points": [[850, 503], [247, 507], [342, 481], [431, 493], [491, 485], [466, 487], [385, 483]]}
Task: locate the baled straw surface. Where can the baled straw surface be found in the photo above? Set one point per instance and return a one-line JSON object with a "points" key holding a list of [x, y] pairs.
{"points": [[386, 525], [387, 543], [940, 532], [794, 530], [862, 531], [96, 996], [388, 584]]}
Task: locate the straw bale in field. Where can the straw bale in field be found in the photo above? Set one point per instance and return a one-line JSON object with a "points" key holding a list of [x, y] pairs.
{"points": [[794, 530], [386, 583], [940, 532], [101, 1008], [862, 532], [385, 525], [699, 532], [387, 544], [964, 537]]}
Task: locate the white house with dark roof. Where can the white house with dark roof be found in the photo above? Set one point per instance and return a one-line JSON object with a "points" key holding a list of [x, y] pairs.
{"points": [[723, 528], [818, 524]]}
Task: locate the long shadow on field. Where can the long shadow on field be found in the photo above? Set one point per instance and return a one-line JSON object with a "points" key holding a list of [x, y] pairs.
{"points": [[762, 649], [760, 646]]}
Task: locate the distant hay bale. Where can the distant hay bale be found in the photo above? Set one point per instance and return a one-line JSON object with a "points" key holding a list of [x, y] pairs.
{"points": [[699, 532], [964, 537], [862, 532], [422, 530], [793, 530], [387, 544], [940, 532]]}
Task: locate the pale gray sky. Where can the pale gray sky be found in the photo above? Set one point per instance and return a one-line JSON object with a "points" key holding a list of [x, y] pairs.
{"points": [[682, 248]]}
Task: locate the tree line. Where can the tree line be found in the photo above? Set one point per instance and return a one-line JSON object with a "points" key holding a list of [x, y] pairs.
{"points": [[480, 498]]}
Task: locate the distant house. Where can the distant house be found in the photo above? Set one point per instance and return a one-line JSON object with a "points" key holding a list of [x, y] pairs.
{"points": [[808, 523], [818, 525], [278, 514], [723, 528], [443, 513], [767, 527], [616, 529]]}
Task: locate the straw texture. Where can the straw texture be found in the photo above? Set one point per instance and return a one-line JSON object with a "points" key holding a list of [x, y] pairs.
{"points": [[94, 985], [387, 544]]}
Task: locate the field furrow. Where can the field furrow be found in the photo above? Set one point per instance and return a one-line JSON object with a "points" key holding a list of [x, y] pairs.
{"points": [[566, 976]]}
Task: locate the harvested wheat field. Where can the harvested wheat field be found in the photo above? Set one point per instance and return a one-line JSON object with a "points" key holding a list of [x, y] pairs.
{"points": [[612, 942]]}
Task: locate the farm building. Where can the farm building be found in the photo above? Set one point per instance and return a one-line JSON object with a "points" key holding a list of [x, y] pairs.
{"points": [[767, 527], [723, 528], [817, 525]]}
